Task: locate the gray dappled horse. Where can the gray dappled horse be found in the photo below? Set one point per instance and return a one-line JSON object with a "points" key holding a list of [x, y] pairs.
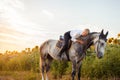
{"points": [[49, 51]]}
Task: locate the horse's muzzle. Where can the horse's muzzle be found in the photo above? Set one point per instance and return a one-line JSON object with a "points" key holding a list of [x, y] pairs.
{"points": [[99, 55]]}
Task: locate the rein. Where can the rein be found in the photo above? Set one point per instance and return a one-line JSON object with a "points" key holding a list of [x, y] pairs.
{"points": [[84, 52]]}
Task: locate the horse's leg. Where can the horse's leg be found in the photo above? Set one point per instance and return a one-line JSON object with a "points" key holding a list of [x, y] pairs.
{"points": [[42, 73], [42, 66], [73, 69], [49, 60], [79, 70]]}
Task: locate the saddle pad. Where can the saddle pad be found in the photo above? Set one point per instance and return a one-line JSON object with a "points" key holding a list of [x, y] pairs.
{"points": [[59, 44]]}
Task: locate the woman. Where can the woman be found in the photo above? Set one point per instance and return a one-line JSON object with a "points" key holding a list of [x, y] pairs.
{"points": [[73, 34]]}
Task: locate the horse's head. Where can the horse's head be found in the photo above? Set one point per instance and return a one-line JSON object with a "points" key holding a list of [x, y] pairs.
{"points": [[100, 43]]}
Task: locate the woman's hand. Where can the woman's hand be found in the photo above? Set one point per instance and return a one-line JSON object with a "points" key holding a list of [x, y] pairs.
{"points": [[80, 41]]}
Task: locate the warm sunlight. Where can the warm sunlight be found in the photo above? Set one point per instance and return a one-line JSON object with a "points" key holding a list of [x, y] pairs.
{"points": [[59, 39], [16, 31], [28, 23]]}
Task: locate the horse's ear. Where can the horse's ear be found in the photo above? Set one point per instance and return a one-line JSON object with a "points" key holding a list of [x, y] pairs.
{"points": [[106, 34], [101, 33]]}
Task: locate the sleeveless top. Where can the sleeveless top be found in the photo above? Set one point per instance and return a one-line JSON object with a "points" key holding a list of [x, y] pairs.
{"points": [[75, 34]]}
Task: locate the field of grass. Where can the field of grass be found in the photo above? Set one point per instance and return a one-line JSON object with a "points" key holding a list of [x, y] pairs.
{"points": [[19, 75], [28, 75], [24, 65]]}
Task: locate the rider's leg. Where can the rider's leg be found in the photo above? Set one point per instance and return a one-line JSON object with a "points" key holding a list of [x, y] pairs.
{"points": [[67, 37]]}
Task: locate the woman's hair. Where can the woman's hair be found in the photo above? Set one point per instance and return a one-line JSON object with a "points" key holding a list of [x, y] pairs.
{"points": [[87, 30]]}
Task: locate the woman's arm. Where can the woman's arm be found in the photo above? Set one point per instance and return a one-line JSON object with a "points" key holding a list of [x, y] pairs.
{"points": [[80, 41]]}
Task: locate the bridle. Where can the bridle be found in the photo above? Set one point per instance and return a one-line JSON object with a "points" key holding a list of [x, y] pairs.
{"points": [[98, 44]]}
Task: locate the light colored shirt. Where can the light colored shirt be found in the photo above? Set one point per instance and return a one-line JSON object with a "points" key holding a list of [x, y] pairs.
{"points": [[75, 34]]}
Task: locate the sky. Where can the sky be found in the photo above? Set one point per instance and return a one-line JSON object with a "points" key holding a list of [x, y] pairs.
{"points": [[26, 23]]}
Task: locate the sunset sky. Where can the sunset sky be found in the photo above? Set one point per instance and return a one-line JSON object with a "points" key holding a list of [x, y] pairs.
{"points": [[26, 23]]}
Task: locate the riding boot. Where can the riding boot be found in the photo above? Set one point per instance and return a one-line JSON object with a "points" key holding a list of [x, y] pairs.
{"points": [[61, 51]]}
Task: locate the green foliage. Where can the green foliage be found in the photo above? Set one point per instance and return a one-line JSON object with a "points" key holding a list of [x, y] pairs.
{"points": [[2, 63], [23, 61], [92, 67], [18, 75], [14, 64], [105, 67], [59, 68]]}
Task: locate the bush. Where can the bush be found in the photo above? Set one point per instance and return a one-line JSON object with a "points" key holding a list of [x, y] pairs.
{"points": [[105, 67], [14, 64], [92, 67], [59, 68]]}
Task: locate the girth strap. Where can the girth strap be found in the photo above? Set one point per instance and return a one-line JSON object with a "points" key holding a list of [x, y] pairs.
{"points": [[66, 52]]}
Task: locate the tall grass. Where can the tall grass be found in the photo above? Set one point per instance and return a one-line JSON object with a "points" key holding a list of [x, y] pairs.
{"points": [[25, 65]]}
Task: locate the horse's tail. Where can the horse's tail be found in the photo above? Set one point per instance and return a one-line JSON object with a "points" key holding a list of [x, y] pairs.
{"points": [[42, 61], [45, 58], [42, 55]]}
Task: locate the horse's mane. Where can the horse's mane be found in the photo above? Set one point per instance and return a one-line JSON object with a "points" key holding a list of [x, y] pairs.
{"points": [[88, 36], [94, 33]]}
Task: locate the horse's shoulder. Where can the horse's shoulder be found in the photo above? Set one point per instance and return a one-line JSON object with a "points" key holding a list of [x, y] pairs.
{"points": [[75, 44]]}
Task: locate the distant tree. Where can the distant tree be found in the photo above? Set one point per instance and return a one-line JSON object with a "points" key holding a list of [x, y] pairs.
{"points": [[118, 35], [35, 49], [118, 38], [109, 40], [23, 52], [1, 53], [7, 52], [115, 41]]}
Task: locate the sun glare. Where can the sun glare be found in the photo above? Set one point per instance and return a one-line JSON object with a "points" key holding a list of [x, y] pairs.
{"points": [[17, 32]]}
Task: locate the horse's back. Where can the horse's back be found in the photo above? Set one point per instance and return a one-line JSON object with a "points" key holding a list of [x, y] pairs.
{"points": [[47, 44]]}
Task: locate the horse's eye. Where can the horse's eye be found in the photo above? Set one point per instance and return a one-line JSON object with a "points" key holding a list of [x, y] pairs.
{"points": [[102, 44]]}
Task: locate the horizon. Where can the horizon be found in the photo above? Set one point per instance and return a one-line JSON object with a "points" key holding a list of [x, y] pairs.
{"points": [[26, 23]]}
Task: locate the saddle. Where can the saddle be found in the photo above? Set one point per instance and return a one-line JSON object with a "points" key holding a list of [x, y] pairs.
{"points": [[60, 44]]}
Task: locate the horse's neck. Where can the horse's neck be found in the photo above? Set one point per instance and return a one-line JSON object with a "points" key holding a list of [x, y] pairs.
{"points": [[93, 37]]}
